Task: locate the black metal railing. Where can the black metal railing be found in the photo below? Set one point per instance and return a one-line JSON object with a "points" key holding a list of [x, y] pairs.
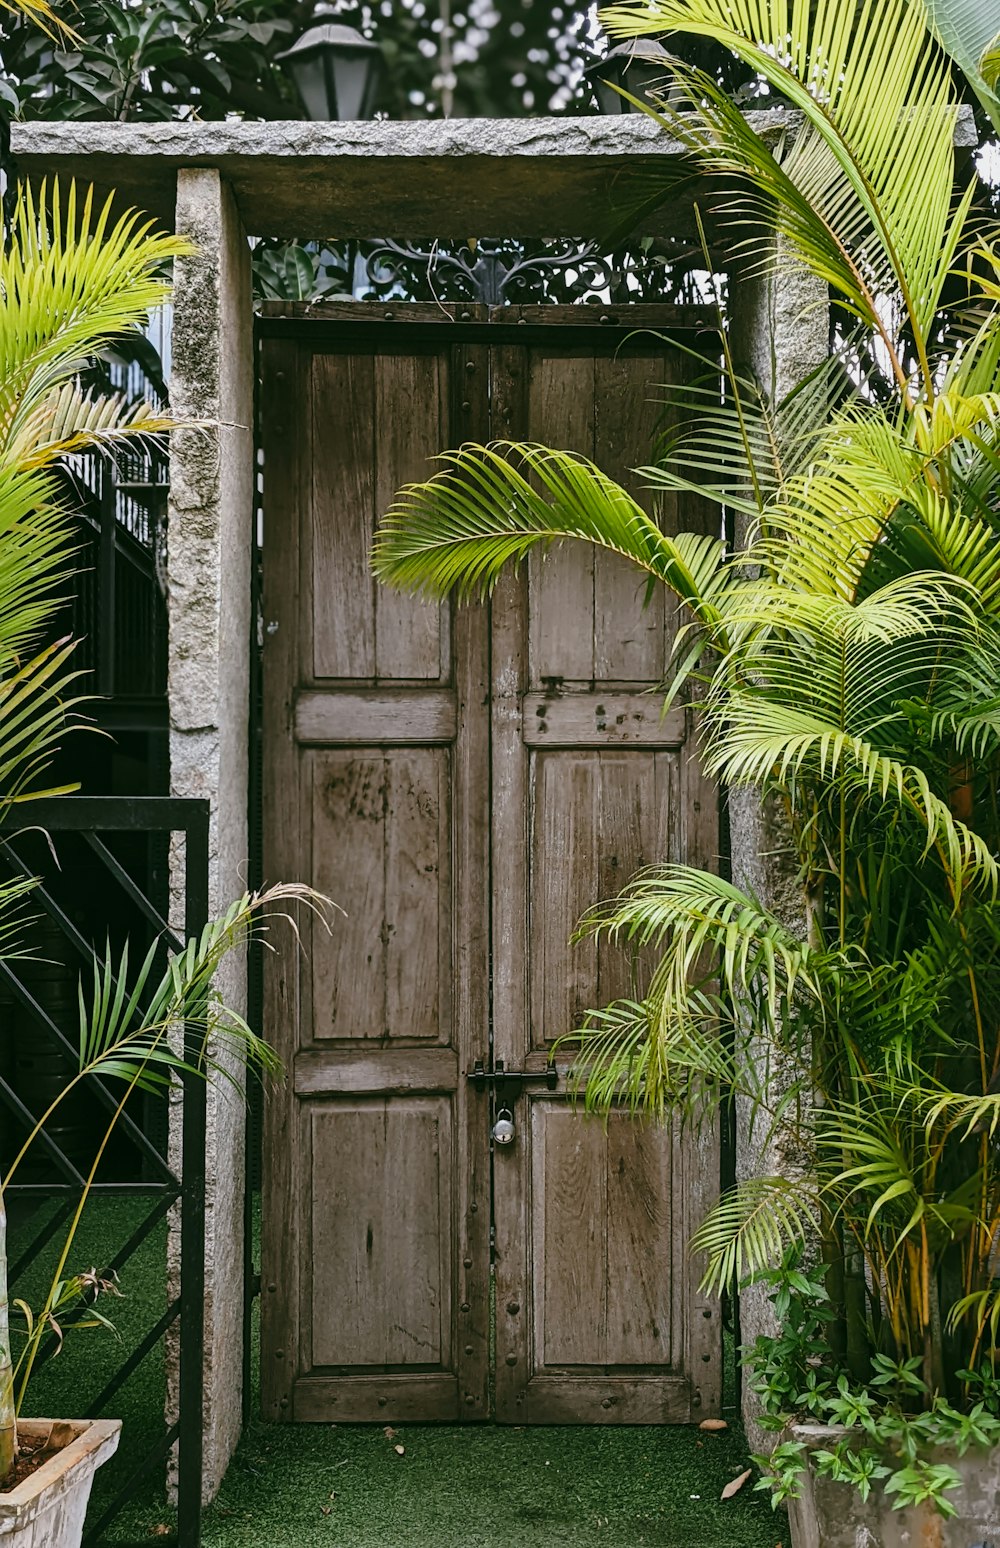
{"points": [[51, 839]]}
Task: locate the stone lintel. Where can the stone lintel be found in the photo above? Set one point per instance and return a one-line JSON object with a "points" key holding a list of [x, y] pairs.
{"points": [[525, 177]]}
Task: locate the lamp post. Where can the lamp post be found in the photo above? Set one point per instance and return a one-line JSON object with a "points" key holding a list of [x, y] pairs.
{"points": [[337, 72], [639, 67]]}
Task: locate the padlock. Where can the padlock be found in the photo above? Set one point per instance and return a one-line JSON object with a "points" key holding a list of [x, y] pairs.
{"points": [[503, 1129]]}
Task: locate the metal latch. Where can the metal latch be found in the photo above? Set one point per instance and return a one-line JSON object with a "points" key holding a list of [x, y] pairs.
{"points": [[505, 1087], [506, 1084]]}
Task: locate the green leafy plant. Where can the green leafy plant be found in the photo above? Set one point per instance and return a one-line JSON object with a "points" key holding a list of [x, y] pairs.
{"points": [[846, 656], [73, 282], [891, 1422]]}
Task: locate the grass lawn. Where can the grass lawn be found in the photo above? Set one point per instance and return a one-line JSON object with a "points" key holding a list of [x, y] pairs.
{"points": [[474, 1486]]}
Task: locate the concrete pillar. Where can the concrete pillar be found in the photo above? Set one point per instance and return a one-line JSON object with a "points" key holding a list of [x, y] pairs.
{"points": [[209, 567], [781, 330]]}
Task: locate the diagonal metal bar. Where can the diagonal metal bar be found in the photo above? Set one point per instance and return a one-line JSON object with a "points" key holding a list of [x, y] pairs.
{"points": [[11, 1099], [136, 894], [120, 1258], [97, 1086], [45, 1235], [135, 1359], [93, 1534]]}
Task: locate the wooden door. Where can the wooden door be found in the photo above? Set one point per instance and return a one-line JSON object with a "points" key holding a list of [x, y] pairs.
{"points": [[599, 1319], [464, 786], [376, 1271]]}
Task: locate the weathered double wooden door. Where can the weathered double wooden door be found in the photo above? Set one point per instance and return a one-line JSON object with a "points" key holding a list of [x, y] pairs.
{"points": [[464, 782]]}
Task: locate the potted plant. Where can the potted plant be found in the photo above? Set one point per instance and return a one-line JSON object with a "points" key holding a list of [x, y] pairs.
{"points": [[129, 1033], [847, 656]]}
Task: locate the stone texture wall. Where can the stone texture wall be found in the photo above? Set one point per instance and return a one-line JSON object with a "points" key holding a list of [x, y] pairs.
{"points": [[209, 549], [780, 328]]}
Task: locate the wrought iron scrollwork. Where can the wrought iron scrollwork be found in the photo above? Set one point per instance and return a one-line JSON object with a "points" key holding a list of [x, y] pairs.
{"points": [[490, 271], [501, 271]]}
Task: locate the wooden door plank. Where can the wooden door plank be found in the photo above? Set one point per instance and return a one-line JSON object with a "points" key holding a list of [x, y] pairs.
{"points": [[350, 1234], [561, 584], [564, 884], [343, 506], [376, 717], [469, 409], [629, 638], [388, 1397], [409, 426], [601, 719], [628, 831], [381, 1240], [509, 880], [417, 890], [350, 796], [640, 1246], [385, 1071], [570, 1226], [285, 450], [570, 1399], [416, 1300]]}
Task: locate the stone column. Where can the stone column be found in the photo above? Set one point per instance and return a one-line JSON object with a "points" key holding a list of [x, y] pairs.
{"points": [[209, 567], [780, 329]]}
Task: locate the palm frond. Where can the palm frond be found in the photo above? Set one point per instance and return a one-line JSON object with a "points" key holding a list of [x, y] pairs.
{"points": [[752, 1228], [864, 190], [632, 1055], [704, 925], [968, 31], [492, 504], [739, 450]]}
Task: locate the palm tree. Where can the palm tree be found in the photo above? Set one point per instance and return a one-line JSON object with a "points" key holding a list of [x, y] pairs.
{"points": [[849, 656]]}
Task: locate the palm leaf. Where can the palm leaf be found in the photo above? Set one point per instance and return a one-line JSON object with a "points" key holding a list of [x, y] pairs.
{"points": [[968, 30], [864, 191], [752, 1227], [493, 504]]}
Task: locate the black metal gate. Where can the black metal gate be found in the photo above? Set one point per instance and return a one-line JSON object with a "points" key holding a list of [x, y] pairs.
{"points": [[61, 840]]}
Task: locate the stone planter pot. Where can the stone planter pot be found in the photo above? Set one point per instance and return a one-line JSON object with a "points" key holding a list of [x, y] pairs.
{"points": [[833, 1515], [47, 1510]]}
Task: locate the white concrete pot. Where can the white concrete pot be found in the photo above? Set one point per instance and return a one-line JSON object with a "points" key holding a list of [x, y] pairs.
{"points": [[833, 1515], [48, 1509]]}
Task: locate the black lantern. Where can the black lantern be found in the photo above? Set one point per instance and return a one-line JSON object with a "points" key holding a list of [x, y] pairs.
{"points": [[337, 72], [639, 67]]}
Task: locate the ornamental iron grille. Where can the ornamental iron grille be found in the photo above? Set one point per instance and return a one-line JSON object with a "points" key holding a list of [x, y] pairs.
{"points": [[496, 271]]}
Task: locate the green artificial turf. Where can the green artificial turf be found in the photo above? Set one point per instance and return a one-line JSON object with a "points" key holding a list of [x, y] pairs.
{"points": [[486, 1487], [475, 1486]]}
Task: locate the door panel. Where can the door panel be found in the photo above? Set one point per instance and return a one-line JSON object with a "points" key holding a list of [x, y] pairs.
{"points": [[599, 1319], [465, 783], [377, 1240]]}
